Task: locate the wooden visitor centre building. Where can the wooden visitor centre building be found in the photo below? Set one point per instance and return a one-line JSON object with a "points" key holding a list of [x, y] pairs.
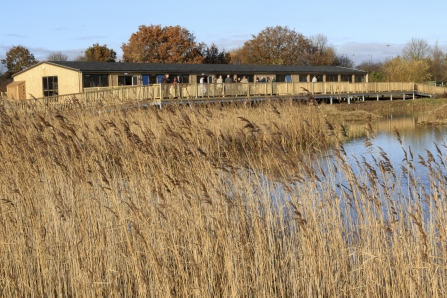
{"points": [[51, 78]]}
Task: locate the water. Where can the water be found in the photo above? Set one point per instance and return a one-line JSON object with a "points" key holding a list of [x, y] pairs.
{"points": [[417, 139], [421, 154]]}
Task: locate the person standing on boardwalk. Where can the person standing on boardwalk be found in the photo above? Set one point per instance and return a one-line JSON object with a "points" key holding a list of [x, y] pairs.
{"points": [[244, 82], [175, 85], [179, 88], [202, 86], [219, 86], [165, 82], [214, 85], [314, 80], [228, 81]]}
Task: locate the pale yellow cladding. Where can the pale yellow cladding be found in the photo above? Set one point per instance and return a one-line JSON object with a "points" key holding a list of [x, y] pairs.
{"points": [[69, 81]]}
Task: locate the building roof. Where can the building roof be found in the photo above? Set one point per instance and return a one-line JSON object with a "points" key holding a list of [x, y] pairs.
{"points": [[110, 67], [15, 83]]}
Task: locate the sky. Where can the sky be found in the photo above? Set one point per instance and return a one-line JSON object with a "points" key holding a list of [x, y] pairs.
{"points": [[364, 31]]}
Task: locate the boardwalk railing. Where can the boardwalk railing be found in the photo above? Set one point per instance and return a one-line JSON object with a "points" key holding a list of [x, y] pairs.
{"points": [[159, 92], [428, 89]]}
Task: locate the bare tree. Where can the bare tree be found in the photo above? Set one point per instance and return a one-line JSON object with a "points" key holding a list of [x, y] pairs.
{"points": [[81, 58], [325, 54], [437, 63], [212, 55], [416, 49], [343, 60], [57, 56], [320, 42]]}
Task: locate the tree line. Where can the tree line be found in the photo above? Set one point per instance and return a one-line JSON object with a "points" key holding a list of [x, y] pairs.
{"points": [[418, 62], [278, 45]]}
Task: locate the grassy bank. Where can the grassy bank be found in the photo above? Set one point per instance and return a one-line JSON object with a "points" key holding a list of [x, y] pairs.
{"points": [[212, 201]]}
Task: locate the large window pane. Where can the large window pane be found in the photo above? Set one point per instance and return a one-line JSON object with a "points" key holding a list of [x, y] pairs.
{"points": [[95, 80], [124, 80], [50, 86]]}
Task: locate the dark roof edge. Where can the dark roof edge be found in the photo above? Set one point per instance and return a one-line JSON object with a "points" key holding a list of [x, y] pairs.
{"points": [[79, 66]]}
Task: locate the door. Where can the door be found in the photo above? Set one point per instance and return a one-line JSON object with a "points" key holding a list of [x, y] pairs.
{"points": [[145, 80], [159, 79]]}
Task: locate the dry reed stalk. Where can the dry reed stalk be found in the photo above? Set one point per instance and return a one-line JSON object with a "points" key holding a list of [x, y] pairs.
{"points": [[211, 201]]}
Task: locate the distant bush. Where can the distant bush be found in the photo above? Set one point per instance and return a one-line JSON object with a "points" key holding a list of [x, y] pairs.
{"points": [[442, 95], [4, 81]]}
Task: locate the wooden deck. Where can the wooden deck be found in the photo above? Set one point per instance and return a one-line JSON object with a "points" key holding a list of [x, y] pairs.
{"points": [[159, 94]]}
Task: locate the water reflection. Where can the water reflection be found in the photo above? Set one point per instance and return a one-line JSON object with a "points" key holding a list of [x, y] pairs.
{"points": [[385, 171], [417, 138], [422, 150]]}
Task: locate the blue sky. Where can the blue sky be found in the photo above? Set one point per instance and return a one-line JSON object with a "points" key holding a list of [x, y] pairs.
{"points": [[359, 29]]}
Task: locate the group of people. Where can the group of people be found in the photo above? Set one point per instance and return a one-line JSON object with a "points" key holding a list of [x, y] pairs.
{"points": [[265, 80], [217, 87], [165, 81], [219, 84], [218, 81]]}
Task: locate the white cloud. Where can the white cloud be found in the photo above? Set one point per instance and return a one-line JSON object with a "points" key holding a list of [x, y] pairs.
{"points": [[375, 52], [16, 35], [227, 43]]}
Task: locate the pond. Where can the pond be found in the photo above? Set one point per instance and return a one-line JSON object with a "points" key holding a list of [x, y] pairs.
{"points": [[407, 167], [420, 140]]}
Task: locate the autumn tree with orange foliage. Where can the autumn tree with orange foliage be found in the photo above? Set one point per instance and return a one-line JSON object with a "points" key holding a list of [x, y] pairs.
{"points": [[278, 46], [156, 44]]}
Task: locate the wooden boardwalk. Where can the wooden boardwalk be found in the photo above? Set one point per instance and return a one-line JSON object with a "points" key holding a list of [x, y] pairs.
{"points": [[329, 92]]}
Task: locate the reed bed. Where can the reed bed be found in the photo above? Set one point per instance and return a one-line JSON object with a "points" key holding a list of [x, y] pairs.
{"points": [[212, 201]]}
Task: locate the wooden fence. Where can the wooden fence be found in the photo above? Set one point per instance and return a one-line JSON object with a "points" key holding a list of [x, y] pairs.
{"points": [[159, 92], [428, 89]]}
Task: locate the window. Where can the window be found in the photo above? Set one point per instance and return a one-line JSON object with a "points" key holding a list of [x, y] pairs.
{"points": [[127, 80], [331, 78], [184, 78], [95, 80], [346, 78], [50, 86], [250, 78], [283, 78], [148, 79]]}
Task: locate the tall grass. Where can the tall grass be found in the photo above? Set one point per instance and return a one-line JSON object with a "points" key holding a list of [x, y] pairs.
{"points": [[212, 201]]}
